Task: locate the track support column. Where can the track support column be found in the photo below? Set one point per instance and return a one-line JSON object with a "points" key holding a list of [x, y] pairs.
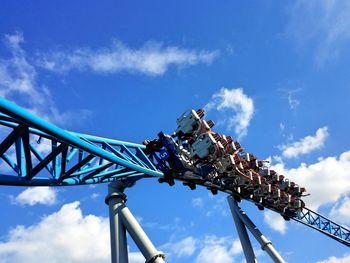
{"points": [[119, 246], [245, 221], [122, 220], [242, 233]]}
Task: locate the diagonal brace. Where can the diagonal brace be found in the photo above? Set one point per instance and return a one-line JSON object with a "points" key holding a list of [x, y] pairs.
{"points": [[264, 242], [11, 138], [46, 161]]}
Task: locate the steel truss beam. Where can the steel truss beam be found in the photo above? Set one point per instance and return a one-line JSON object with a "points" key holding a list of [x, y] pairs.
{"points": [[324, 225], [35, 152]]}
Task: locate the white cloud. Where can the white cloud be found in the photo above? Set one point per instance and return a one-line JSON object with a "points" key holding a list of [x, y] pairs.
{"points": [[237, 107], [236, 247], [340, 212], [37, 195], [218, 250], [64, 236], [152, 59], [19, 81], [275, 221], [344, 259], [329, 175], [306, 144], [182, 248], [321, 24]]}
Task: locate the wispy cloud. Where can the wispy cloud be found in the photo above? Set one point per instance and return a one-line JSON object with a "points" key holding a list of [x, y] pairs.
{"points": [[94, 196], [20, 78], [291, 95], [197, 202], [19, 82], [235, 107], [293, 102], [321, 25], [306, 144], [217, 206], [37, 195], [152, 59]]}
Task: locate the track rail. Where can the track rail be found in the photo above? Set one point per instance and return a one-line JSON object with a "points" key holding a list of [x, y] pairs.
{"points": [[305, 216]]}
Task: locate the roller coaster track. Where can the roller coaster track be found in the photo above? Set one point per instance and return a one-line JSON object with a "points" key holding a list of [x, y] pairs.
{"points": [[34, 152], [39, 153]]}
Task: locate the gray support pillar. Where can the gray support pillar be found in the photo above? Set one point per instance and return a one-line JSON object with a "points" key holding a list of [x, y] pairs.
{"points": [[119, 247], [264, 242], [242, 233], [121, 219], [145, 245]]}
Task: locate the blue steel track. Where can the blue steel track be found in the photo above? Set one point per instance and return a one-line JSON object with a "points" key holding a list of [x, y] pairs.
{"points": [[39, 153], [34, 152]]}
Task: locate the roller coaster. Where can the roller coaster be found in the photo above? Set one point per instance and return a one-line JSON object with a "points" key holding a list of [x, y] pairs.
{"points": [[34, 152]]}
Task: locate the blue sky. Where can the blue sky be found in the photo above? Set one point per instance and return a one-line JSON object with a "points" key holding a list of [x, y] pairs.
{"points": [[273, 74]]}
